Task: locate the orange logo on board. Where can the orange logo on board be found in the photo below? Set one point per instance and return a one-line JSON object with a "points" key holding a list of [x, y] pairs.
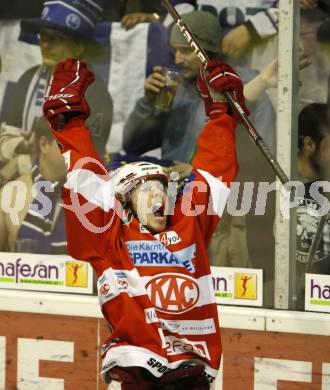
{"points": [[245, 286], [76, 274]]}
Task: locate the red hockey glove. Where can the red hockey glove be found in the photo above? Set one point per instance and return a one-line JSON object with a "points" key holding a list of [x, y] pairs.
{"points": [[220, 77], [66, 91]]}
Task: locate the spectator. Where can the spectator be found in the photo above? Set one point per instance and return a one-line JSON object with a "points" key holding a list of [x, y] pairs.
{"points": [[35, 232], [65, 31], [246, 25], [312, 23], [177, 130], [313, 165], [132, 12], [323, 38]]}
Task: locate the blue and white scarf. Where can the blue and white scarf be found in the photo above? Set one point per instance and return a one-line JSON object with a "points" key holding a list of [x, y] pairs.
{"points": [[43, 234], [34, 98]]}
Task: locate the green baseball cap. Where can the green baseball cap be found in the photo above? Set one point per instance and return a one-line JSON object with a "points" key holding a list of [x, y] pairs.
{"points": [[204, 26]]}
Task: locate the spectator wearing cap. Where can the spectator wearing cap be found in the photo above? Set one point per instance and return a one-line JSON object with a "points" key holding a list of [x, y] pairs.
{"points": [[66, 29], [246, 23], [313, 165], [176, 130]]}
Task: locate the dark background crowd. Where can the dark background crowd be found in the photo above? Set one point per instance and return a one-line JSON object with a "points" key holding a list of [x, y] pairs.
{"points": [[135, 53]]}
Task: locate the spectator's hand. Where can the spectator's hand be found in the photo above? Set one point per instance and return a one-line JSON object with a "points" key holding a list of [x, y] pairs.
{"points": [[9, 171], [269, 73], [183, 170], [27, 145], [308, 4], [220, 77], [154, 83], [66, 92], [236, 42], [131, 20]]}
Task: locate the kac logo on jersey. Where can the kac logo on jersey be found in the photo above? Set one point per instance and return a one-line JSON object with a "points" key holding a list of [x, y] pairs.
{"points": [[104, 289], [173, 293]]}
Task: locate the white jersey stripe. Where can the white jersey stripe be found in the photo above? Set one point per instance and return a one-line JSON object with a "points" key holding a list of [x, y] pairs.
{"points": [[92, 187], [219, 193], [114, 282], [127, 356]]}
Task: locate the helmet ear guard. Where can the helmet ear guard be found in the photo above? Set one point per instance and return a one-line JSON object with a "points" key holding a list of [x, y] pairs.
{"points": [[124, 199]]}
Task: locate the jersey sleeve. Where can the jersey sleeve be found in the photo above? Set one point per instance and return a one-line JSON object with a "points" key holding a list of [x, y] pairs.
{"points": [[216, 151], [215, 167], [88, 195]]}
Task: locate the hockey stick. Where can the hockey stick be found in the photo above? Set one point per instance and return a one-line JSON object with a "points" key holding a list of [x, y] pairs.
{"points": [[200, 53]]}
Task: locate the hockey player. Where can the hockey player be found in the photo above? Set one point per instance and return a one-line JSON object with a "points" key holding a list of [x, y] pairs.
{"points": [[154, 281]]}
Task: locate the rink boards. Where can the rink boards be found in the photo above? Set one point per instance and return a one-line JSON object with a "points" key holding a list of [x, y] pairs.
{"points": [[45, 343]]}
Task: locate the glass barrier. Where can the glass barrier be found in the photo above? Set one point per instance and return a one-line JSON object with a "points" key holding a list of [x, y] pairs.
{"points": [[145, 105], [313, 233], [245, 238]]}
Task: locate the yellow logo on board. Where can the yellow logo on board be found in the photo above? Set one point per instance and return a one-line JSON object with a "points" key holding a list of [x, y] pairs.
{"points": [[76, 274], [245, 286]]}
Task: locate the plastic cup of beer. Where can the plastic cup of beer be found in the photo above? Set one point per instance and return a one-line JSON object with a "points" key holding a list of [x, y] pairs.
{"points": [[165, 96]]}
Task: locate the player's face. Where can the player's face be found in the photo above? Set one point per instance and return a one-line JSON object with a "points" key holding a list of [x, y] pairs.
{"points": [[57, 46], [186, 58], [150, 204]]}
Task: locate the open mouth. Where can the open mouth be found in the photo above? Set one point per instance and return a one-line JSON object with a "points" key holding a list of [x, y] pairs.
{"points": [[158, 209]]}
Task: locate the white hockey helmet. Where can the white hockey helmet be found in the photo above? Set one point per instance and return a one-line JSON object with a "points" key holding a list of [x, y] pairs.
{"points": [[124, 179]]}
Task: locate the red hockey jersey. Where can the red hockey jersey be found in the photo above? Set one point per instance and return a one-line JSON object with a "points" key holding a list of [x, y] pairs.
{"points": [[155, 291]]}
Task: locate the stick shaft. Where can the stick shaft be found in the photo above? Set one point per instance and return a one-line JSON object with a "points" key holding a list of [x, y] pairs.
{"points": [[200, 53]]}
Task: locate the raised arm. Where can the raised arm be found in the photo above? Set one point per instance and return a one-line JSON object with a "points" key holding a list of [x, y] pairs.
{"points": [[87, 193], [216, 151], [215, 160]]}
